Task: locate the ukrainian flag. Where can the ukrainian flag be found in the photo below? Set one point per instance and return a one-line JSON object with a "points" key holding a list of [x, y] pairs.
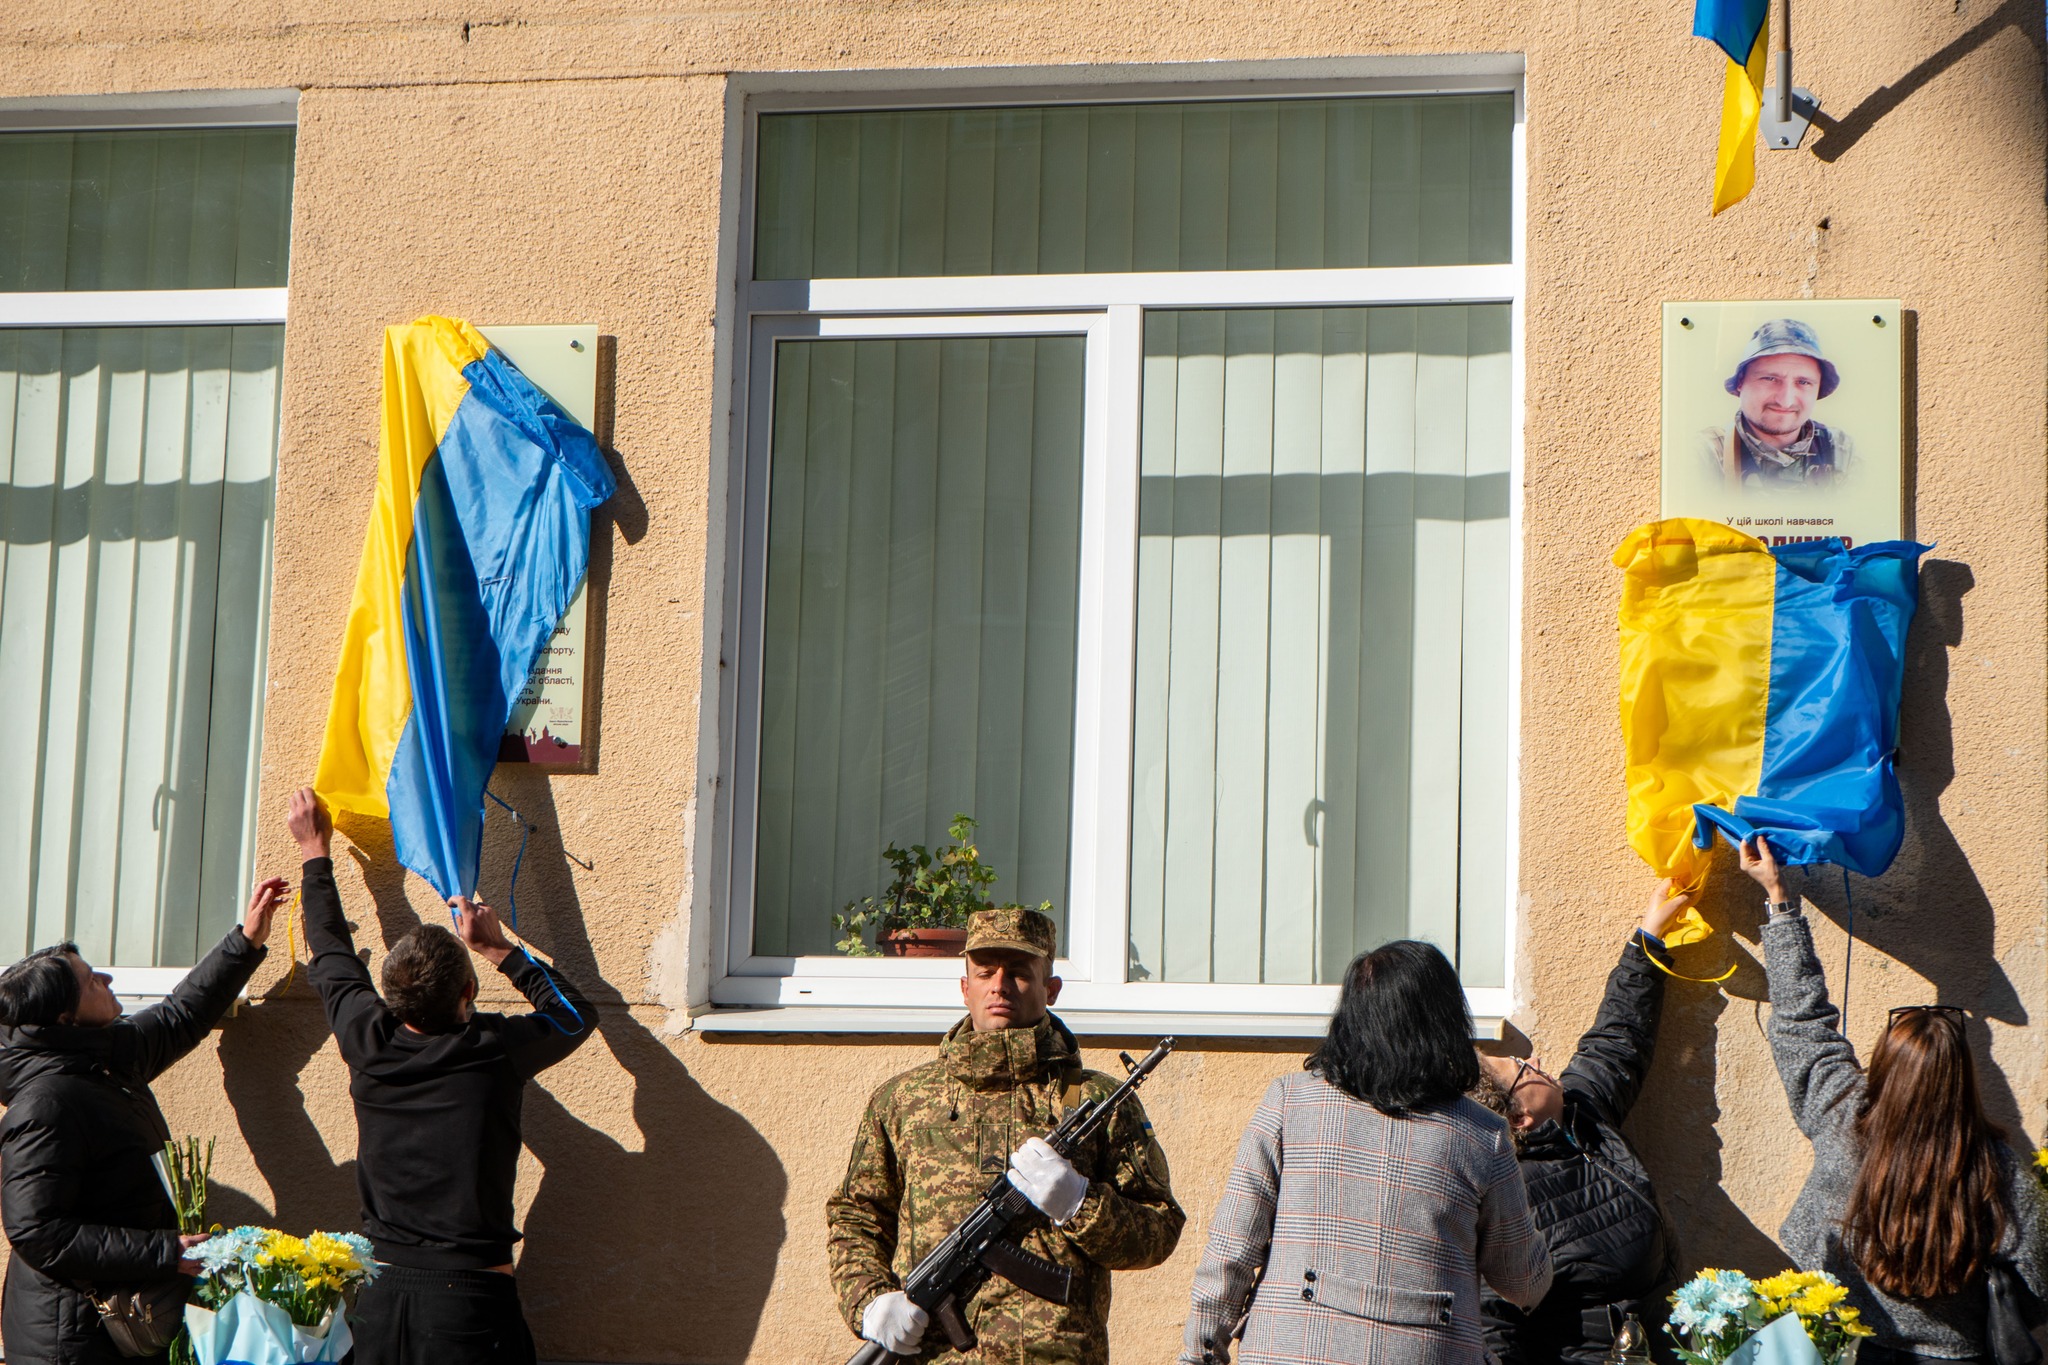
{"points": [[1760, 694], [1740, 29], [479, 537]]}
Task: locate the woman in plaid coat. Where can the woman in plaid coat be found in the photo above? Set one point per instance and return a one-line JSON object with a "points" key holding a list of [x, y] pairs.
{"points": [[1370, 1196]]}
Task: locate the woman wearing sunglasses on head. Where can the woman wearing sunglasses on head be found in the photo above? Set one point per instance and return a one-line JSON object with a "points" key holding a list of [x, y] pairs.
{"points": [[1915, 1202]]}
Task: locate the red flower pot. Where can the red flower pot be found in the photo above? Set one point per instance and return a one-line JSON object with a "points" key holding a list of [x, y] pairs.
{"points": [[922, 942]]}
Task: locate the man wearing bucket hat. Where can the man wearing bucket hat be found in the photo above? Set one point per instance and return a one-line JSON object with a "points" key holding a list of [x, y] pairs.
{"points": [[1775, 441], [933, 1137]]}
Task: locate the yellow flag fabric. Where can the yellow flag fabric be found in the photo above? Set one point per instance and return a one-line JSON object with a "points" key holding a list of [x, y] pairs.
{"points": [[1742, 105], [1696, 616]]}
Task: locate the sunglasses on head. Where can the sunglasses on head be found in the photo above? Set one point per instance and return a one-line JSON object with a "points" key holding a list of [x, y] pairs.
{"points": [[1955, 1012]]}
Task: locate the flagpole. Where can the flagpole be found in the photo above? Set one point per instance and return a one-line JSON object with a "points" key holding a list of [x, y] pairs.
{"points": [[1781, 46]]}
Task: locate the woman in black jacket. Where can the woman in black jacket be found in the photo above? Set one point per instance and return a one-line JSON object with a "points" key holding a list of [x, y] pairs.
{"points": [[84, 1208], [1588, 1190]]}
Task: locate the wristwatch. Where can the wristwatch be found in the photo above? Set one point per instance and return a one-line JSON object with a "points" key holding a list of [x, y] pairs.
{"points": [[1779, 909]]}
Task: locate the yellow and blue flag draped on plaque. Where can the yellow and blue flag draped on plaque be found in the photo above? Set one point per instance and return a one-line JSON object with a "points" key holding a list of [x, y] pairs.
{"points": [[1740, 29], [1760, 694], [479, 537]]}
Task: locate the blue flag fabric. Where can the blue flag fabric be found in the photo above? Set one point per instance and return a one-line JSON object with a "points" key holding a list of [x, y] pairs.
{"points": [[1732, 25], [1828, 792]]}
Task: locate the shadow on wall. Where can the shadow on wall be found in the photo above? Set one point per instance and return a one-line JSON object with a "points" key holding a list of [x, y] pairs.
{"points": [[663, 1253], [1676, 1128], [1929, 913], [599, 1271], [1838, 135]]}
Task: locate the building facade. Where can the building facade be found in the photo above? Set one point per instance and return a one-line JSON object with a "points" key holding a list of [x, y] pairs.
{"points": [[1189, 440]]}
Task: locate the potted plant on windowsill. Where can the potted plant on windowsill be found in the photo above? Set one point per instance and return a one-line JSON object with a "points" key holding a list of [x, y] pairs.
{"points": [[923, 911]]}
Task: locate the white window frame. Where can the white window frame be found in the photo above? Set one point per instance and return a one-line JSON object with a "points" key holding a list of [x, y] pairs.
{"points": [[749, 993], [101, 308]]}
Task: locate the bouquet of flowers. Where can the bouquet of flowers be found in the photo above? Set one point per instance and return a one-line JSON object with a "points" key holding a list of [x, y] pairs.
{"points": [[1714, 1315], [267, 1298]]}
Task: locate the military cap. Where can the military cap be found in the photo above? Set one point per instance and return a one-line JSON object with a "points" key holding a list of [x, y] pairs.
{"points": [[1015, 928], [1785, 336]]}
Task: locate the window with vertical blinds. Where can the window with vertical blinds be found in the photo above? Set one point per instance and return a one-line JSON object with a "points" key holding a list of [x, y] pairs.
{"points": [[137, 465], [145, 209], [133, 603], [1086, 189], [924, 519], [1202, 606], [1320, 739]]}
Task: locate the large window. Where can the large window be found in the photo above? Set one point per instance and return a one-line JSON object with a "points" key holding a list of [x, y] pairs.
{"points": [[142, 276], [1138, 478]]}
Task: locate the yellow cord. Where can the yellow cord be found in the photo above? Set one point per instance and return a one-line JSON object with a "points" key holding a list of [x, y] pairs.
{"points": [[1699, 980], [291, 946]]}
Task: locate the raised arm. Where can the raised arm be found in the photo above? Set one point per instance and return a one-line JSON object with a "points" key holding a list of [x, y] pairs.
{"points": [[1613, 1056], [158, 1036], [1815, 1062], [355, 1011], [1239, 1238], [561, 1017]]}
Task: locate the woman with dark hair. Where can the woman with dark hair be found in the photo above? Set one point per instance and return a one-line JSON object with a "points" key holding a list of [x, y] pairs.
{"points": [[1370, 1196], [85, 1211], [1914, 1200]]}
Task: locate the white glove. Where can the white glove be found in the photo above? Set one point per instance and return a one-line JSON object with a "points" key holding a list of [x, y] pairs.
{"points": [[1048, 1179], [894, 1323]]}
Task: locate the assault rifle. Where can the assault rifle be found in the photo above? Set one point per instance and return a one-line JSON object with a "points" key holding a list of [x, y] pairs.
{"points": [[947, 1278]]}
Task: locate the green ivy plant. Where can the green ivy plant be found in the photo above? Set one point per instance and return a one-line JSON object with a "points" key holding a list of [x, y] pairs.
{"points": [[931, 888]]}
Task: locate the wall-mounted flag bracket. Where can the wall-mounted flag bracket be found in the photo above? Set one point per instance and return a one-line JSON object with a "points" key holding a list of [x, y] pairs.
{"points": [[1788, 111], [1783, 125]]}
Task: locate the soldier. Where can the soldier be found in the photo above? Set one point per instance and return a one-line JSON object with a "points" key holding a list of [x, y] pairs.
{"points": [[932, 1138]]}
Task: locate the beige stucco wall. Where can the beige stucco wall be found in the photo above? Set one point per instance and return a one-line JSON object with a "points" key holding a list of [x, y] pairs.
{"points": [[561, 162]]}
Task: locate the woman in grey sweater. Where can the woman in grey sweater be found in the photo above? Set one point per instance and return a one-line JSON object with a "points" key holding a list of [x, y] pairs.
{"points": [[1913, 1193]]}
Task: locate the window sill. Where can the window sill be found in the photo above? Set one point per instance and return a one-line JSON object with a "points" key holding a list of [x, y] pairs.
{"points": [[932, 1021], [145, 985]]}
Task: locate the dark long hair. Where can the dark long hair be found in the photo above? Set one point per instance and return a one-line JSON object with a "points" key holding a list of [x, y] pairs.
{"points": [[1402, 1035], [1929, 1206]]}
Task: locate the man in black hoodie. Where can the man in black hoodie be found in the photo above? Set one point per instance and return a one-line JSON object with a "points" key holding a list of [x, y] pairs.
{"points": [[1612, 1248], [437, 1089], [85, 1210]]}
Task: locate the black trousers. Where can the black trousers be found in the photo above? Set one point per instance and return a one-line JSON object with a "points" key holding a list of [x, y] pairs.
{"points": [[440, 1317]]}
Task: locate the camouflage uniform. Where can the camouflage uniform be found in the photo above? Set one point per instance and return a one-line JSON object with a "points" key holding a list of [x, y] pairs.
{"points": [[932, 1141]]}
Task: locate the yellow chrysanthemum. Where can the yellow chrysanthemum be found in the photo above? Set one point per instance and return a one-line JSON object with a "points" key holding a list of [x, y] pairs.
{"points": [[1782, 1285], [330, 1253], [1818, 1299], [280, 1247], [2041, 1158]]}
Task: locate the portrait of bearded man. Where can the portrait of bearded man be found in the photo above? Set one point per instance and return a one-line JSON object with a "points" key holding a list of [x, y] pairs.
{"points": [[1774, 441]]}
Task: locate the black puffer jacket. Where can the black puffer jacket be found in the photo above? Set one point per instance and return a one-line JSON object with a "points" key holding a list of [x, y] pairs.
{"points": [[81, 1201], [1588, 1191]]}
